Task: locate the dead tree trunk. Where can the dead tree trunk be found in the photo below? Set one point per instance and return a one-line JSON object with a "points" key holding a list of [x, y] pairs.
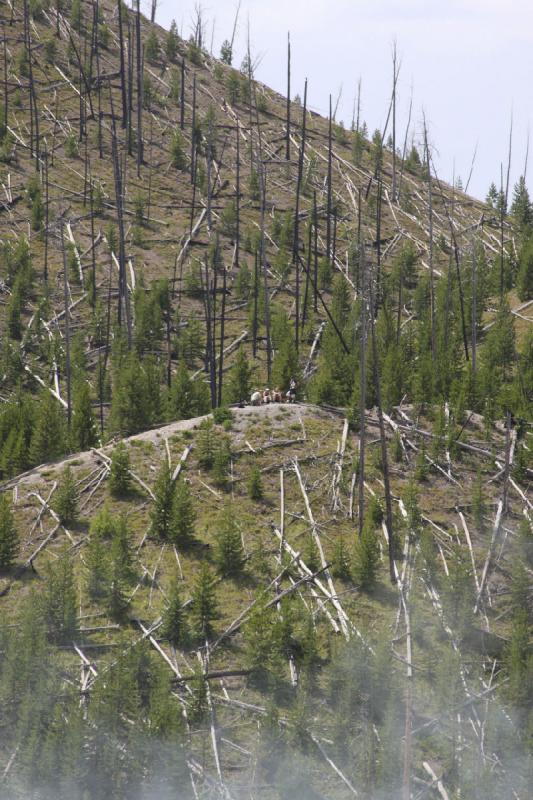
{"points": [[121, 67], [329, 187], [123, 296], [474, 310], [182, 95], [6, 93], [67, 326], [430, 224], [288, 134], [404, 151], [383, 439], [362, 392], [394, 84], [238, 200], [222, 333], [46, 213], [315, 256], [193, 130], [93, 248], [262, 177], [296, 243], [138, 43]]}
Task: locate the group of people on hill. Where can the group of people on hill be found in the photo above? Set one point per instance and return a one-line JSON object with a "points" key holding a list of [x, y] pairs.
{"points": [[259, 398]]}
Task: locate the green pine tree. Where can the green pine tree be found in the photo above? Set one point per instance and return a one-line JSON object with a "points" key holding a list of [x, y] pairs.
{"points": [[183, 516], [229, 553], [119, 475], [161, 514], [9, 540], [83, 430], [204, 609], [366, 560], [59, 601], [255, 484], [174, 626], [65, 503], [240, 379], [48, 439]]}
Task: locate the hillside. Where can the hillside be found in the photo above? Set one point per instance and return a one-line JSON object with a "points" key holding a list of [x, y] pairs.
{"points": [[201, 598]]}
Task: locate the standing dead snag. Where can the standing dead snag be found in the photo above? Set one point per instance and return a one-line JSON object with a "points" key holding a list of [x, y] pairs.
{"points": [[67, 326], [430, 221], [123, 296], [140, 154], [329, 187], [296, 243], [121, 67], [362, 390], [383, 439], [288, 122]]}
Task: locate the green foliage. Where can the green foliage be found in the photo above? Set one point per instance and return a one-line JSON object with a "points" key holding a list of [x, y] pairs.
{"points": [[59, 602], [9, 540], [342, 566], [479, 508], [239, 382], [136, 400], [161, 513], [206, 444], [228, 220], [187, 398], [524, 280], [119, 475], [177, 150], [226, 52], [263, 646], [83, 430], [413, 162], [233, 87], [521, 209], [151, 46], [174, 626], [458, 594], [204, 609], [183, 516], [253, 185], [50, 50], [255, 484], [66, 498], [171, 42], [76, 15], [366, 561], [71, 146], [221, 462], [229, 553]]}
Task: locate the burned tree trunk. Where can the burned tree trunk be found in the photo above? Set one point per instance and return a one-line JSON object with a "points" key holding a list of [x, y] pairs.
{"points": [[362, 393], [123, 297], [182, 95], [296, 243], [382, 437], [222, 333], [238, 200], [67, 326], [430, 223], [121, 67], [315, 256], [329, 187], [139, 49], [6, 93], [288, 133]]}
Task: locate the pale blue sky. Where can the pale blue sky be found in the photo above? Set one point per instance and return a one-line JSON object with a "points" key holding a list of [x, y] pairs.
{"points": [[469, 63]]}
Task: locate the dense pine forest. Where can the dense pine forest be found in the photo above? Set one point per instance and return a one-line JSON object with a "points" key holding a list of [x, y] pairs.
{"points": [[205, 598]]}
